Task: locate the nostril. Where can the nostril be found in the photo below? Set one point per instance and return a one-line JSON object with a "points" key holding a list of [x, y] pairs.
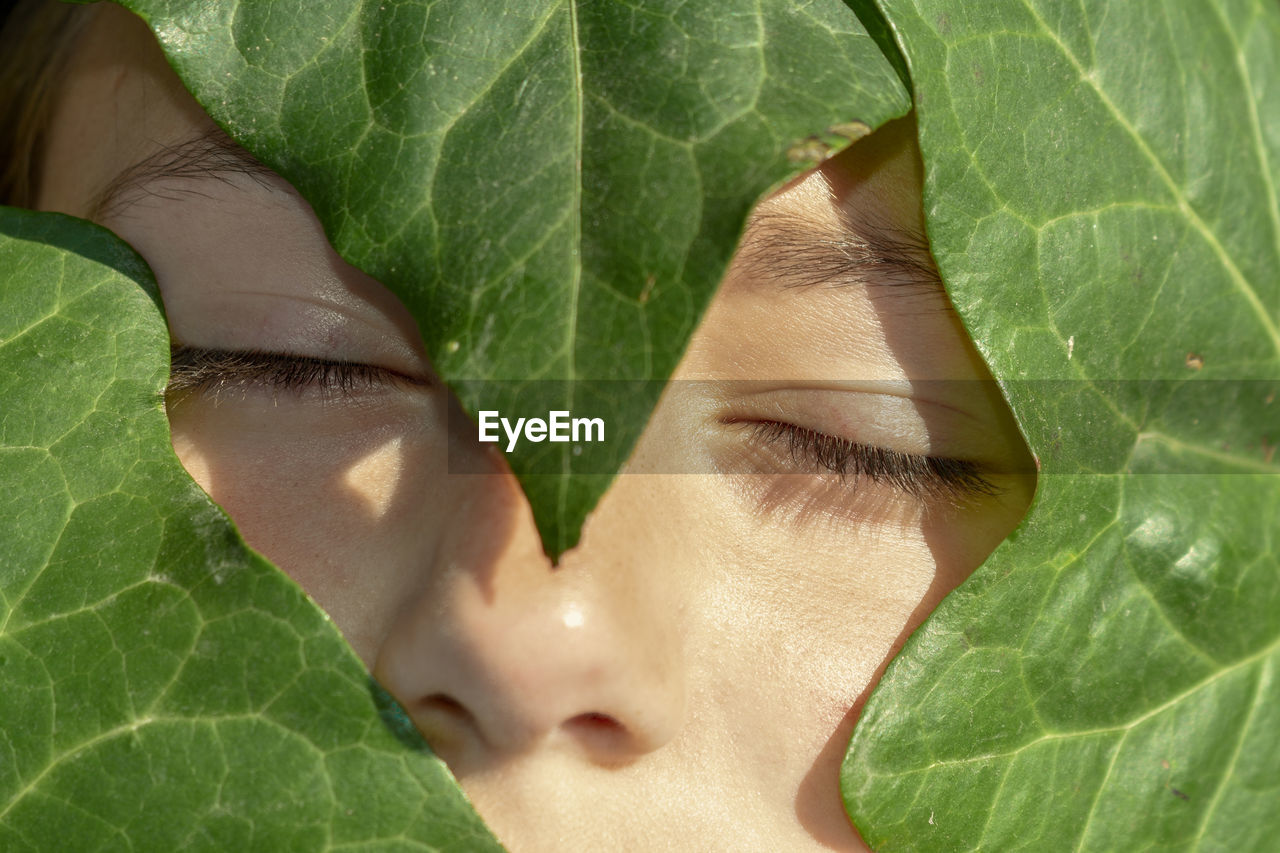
{"points": [[447, 705], [595, 722], [447, 725], [603, 737]]}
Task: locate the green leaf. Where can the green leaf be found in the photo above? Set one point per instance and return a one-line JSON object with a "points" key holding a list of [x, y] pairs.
{"points": [[1102, 182], [162, 687], [553, 188]]}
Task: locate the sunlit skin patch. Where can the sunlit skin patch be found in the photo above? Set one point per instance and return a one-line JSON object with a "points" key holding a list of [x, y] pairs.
{"points": [[194, 459], [374, 479]]}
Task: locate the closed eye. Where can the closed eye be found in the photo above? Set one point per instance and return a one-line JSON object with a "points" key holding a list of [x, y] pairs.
{"points": [[214, 372], [918, 476]]}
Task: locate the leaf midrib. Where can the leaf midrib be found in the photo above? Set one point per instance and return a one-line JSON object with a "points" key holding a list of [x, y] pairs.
{"points": [[575, 282], [1233, 272]]}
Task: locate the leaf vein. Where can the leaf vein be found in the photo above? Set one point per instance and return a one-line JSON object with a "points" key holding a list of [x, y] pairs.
{"points": [[1121, 727], [1233, 272], [1097, 795], [1251, 110], [1235, 757]]}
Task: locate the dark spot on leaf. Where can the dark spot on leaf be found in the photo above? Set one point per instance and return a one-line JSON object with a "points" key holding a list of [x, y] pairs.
{"points": [[1178, 794]]}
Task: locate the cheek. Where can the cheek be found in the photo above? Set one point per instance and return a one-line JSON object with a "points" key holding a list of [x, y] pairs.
{"points": [[843, 599], [789, 622], [342, 505]]}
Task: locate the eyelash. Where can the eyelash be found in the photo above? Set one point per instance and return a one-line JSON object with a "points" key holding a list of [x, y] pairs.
{"points": [[213, 371], [919, 476]]}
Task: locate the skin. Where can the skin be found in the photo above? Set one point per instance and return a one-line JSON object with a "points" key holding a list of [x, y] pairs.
{"points": [[689, 675]]}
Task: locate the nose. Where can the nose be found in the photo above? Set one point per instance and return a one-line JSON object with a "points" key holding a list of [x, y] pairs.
{"points": [[501, 652]]}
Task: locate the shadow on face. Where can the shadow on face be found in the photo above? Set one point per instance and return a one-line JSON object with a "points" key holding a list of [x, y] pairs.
{"points": [[830, 459]]}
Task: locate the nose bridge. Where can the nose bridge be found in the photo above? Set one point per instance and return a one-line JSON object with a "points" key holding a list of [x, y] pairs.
{"points": [[521, 653]]}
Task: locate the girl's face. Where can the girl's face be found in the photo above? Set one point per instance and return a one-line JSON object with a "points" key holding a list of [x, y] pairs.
{"points": [[689, 675]]}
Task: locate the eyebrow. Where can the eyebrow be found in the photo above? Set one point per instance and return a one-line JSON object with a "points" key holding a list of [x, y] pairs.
{"points": [[211, 155], [790, 251]]}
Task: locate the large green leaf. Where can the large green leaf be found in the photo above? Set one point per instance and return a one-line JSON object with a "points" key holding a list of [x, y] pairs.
{"points": [[161, 687], [1102, 201], [552, 187]]}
